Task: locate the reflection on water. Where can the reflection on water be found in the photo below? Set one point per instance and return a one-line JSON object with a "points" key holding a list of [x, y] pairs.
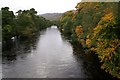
{"points": [[49, 56]]}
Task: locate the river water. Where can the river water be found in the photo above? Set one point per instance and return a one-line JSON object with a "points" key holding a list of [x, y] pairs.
{"points": [[49, 56]]}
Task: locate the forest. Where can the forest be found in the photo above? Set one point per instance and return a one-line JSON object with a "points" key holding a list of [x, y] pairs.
{"points": [[96, 26], [24, 24]]}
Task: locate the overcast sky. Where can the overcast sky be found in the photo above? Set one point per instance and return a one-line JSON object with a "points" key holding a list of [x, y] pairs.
{"points": [[41, 6]]}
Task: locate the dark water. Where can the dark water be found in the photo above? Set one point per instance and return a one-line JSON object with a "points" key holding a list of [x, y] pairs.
{"points": [[49, 56]]}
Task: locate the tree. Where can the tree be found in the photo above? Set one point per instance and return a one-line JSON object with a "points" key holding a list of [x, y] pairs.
{"points": [[8, 26]]}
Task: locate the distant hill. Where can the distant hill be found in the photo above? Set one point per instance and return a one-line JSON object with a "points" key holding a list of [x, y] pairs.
{"points": [[52, 16]]}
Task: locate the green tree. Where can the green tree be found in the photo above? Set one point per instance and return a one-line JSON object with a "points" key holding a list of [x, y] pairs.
{"points": [[25, 24], [8, 26]]}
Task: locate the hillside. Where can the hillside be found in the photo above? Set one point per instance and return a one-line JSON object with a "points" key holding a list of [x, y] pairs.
{"points": [[52, 16]]}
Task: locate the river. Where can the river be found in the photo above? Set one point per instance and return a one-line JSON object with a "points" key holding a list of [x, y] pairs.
{"points": [[49, 56]]}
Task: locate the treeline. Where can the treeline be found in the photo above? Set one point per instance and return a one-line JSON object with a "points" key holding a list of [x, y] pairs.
{"points": [[96, 26], [24, 24]]}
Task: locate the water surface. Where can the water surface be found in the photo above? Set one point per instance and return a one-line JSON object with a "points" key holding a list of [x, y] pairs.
{"points": [[49, 56]]}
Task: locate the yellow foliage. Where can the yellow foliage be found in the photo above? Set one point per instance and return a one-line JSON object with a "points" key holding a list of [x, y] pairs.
{"points": [[106, 53], [78, 31], [96, 30], [115, 43], [108, 17], [88, 42], [93, 49], [82, 41], [73, 18]]}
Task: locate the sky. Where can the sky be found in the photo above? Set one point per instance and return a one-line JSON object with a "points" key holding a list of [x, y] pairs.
{"points": [[41, 6]]}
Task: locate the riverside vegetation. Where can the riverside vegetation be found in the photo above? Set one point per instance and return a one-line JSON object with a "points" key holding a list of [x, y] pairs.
{"points": [[24, 25], [96, 26]]}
